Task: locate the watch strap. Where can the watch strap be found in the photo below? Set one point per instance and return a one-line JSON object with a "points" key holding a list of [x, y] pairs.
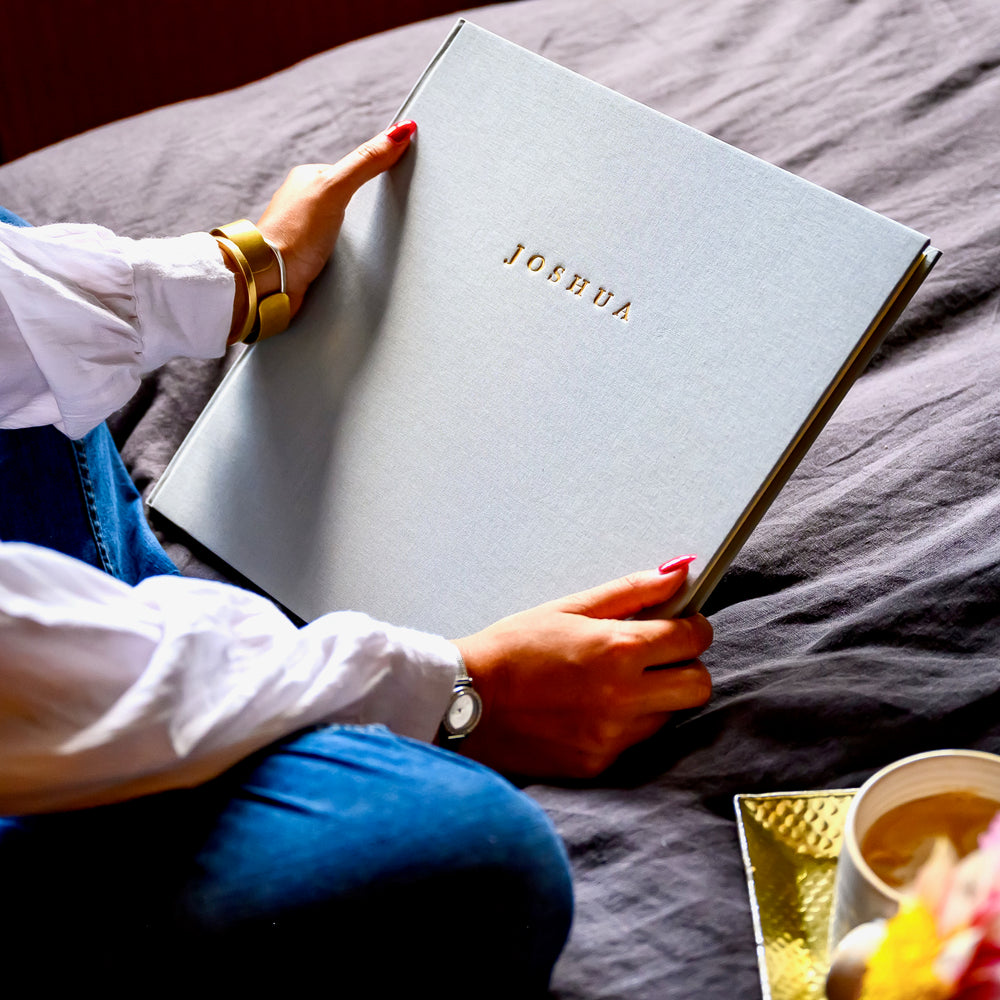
{"points": [[462, 688]]}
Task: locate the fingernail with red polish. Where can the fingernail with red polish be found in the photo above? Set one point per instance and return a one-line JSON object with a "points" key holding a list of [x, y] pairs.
{"points": [[401, 131], [679, 563]]}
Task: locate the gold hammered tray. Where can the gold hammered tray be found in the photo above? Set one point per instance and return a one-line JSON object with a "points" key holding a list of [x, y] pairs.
{"points": [[790, 842]]}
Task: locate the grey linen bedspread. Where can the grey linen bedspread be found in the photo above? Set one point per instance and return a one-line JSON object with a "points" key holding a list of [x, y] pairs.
{"points": [[862, 620]]}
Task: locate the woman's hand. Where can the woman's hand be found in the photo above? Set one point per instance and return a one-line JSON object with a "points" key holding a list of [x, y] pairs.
{"points": [[304, 217], [565, 686]]}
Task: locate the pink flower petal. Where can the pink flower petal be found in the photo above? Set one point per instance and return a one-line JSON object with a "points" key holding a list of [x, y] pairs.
{"points": [[971, 886], [956, 955], [989, 840]]}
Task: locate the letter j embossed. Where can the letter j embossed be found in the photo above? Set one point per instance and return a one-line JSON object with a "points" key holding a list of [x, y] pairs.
{"points": [[514, 255]]}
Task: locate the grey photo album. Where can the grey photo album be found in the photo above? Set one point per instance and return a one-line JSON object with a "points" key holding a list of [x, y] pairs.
{"points": [[565, 338]]}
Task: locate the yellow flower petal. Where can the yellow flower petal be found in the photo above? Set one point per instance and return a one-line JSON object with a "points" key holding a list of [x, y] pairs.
{"points": [[902, 967]]}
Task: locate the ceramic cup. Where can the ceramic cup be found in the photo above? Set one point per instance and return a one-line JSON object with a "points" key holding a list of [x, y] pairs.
{"points": [[859, 895]]}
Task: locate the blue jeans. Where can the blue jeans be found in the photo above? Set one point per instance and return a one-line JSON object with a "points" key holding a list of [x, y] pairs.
{"points": [[75, 497], [345, 858]]}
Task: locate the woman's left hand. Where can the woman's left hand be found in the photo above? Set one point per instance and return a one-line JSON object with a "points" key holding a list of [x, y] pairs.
{"points": [[566, 686]]}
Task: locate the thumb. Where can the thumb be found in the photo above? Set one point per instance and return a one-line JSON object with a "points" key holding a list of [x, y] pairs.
{"points": [[304, 215], [630, 594], [373, 157]]}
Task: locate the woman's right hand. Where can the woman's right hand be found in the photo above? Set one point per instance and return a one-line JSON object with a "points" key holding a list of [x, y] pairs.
{"points": [[304, 216], [565, 686]]}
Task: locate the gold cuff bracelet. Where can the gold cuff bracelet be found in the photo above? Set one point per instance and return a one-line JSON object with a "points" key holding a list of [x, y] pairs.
{"points": [[253, 254]]}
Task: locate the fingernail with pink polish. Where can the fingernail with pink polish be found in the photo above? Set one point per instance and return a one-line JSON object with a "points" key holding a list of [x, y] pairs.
{"points": [[674, 564], [401, 131]]}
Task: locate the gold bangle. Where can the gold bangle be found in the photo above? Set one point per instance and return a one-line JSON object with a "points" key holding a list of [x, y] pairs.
{"points": [[254, 256], [244, 271]]}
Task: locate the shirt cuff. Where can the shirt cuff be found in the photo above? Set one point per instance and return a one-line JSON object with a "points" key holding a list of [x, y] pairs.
{"points": [[184, 297], [424, 668]]}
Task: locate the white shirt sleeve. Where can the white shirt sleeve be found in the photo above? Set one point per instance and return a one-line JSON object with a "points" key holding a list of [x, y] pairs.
{"points": [[109, 691], [84, 314]]}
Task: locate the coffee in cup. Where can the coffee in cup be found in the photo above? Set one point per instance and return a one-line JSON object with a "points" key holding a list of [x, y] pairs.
{"points": [[899, 843], [894, 820]]}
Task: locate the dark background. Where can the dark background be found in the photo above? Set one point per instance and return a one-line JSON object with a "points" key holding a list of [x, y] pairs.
{"points": [[70, 65]]}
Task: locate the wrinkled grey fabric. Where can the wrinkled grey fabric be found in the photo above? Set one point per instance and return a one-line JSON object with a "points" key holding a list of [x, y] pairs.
{"points": [[861, 622]]}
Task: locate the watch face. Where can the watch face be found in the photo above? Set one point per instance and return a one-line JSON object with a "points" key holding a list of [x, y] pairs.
{"points": [[462, 712]]}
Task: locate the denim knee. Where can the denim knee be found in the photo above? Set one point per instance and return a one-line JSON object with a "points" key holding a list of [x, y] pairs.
{"points": [[527, 900], [404, 857], [339, 859]]}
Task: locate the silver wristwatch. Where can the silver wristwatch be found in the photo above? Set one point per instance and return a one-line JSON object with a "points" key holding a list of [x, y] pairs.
{"points": [[464, 710]]}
